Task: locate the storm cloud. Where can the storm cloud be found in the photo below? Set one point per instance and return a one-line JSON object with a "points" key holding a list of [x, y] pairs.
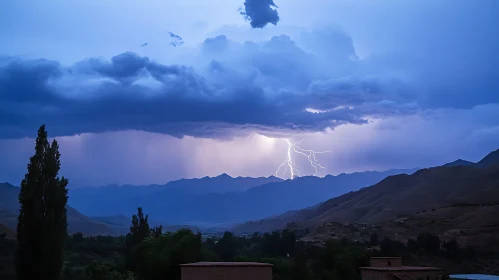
{"points": [[260, 13], [131, 92], [268, 88], [420, 77], [277, 87]]}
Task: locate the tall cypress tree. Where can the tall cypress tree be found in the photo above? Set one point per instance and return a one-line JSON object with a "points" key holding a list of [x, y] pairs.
{"points": [[42, 221]]}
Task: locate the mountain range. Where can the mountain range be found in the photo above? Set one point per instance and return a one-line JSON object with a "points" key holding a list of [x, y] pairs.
{"points": [[208, 201], [459, 182], [77, 222], [364, 197], [220, 200]]}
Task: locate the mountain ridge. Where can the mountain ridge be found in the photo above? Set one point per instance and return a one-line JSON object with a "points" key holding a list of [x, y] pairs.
{"points": [[447, 184], [491, 159], [272, 198]]}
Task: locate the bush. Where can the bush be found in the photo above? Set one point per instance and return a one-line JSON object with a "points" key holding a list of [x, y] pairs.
{"points": [[412, 246], [452, 249], [392, 248], [429, 243]]}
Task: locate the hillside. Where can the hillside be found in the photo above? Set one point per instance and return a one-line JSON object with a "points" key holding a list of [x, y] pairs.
{"points": [[77, 222], [176, 205], [395, 196], [474, 225]]}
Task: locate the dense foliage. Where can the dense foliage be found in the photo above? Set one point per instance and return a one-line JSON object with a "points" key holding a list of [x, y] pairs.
{"points": [[157, 256]]}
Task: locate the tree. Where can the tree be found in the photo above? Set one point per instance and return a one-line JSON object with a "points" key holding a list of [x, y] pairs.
{"points": [[106, 271], [300, 269], [452, 249], [160, 258], [469, 252], [157, 231], [392, 248], [226, 247], [42, 220], [412, 246], [139, 229], [429, 242], [288, 242], [332, 248], [374, 240], [2, 249]]}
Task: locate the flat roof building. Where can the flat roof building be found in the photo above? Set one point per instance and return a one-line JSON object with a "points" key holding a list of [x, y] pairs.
{"points": [[226, 271], [385, 261], [391, 268]]}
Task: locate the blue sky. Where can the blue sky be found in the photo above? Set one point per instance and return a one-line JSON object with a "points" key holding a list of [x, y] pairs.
{"points": [[379, 84]]}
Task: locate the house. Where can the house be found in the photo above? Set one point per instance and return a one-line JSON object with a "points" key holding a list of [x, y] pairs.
{"points": [[391, 268], [226, 271]]}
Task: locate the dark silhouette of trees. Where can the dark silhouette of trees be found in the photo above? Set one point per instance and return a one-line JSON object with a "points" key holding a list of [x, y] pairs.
{"points": [[226, 247], [452, 249], [106, 271], [412, 246], [42, 221], [272, 244], [392, 248], [469, 252], [332, 248], [288, 242], [157, 231], [2, 250], [139, 229], [160, 258], [300, 270], [429, 243], [374, 240]]}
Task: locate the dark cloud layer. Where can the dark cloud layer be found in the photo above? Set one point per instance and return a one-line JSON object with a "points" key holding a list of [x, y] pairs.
{"points": [[177, 100], [260, 12], [268, 87]]}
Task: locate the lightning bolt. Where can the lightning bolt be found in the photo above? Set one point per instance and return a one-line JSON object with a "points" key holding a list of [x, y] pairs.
{"points": [[290, 165]]}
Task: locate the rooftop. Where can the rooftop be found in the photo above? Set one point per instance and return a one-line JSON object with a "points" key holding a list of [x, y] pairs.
{"points": [[237, 264], [401, 268]]}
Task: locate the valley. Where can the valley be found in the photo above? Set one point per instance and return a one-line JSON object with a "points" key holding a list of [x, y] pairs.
{"points": [[398, 204], [457, 202]]}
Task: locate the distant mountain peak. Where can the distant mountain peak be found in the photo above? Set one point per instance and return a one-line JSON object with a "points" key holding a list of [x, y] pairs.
{"points": [[459, 162], [492, 159], [7, 185], [224, 175]]}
